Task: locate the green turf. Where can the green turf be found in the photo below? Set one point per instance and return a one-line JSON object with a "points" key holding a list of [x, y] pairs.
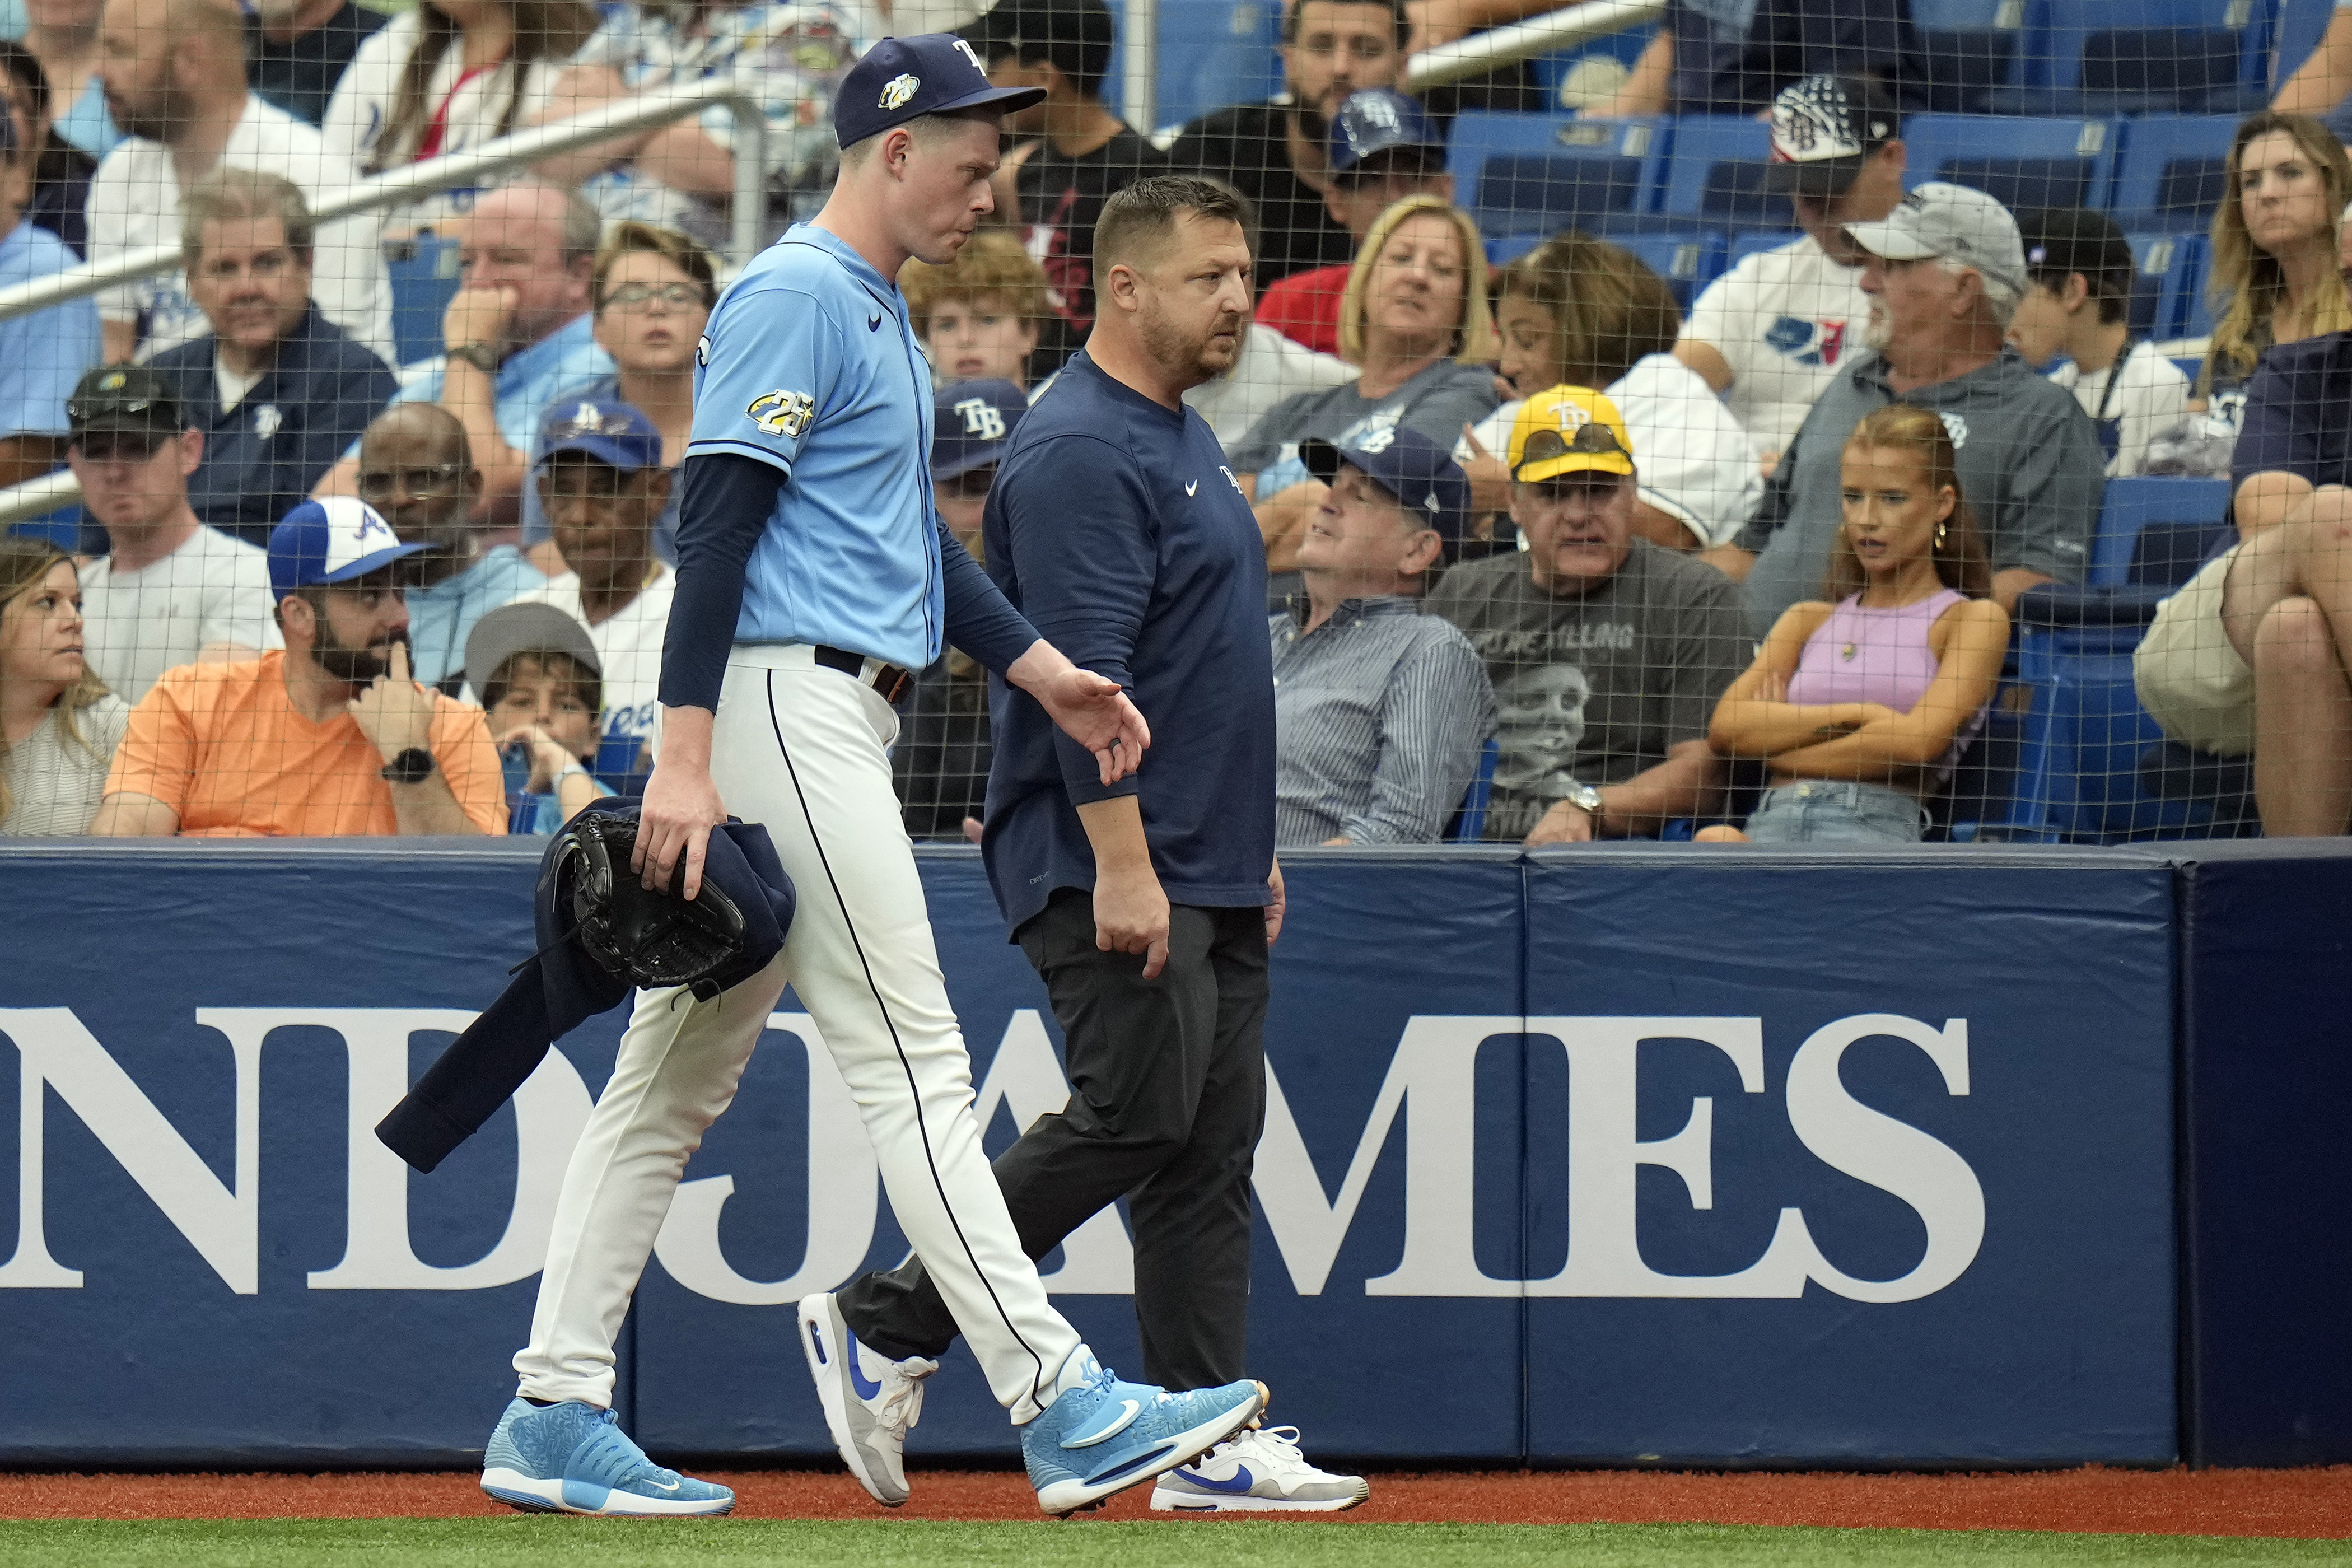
{"points": [[1288, 1543]]}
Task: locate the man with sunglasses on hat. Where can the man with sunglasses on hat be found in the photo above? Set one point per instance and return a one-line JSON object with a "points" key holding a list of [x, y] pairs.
{"points": [[169, 591], [1607, 652]]}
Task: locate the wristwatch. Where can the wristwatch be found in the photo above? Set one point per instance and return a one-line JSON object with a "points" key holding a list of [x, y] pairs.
{"points": [[1584, 797], [414, 765], [481, 356]]}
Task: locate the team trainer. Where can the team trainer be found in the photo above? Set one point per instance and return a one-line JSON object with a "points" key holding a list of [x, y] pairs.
{"points": [[807, 540]]}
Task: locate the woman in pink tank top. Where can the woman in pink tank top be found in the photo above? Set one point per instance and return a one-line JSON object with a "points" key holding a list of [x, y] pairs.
{"points": [[1859, 705]]}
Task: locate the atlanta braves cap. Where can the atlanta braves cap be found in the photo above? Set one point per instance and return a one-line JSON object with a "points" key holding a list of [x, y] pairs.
{"points": [[1375, 120], [1825, 128], [971, 422], [614, 433], [1952, 222], [905, 79], [330, 540], [1423, 476]]}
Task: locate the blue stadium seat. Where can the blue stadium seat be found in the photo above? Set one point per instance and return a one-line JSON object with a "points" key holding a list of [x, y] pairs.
{"points": [[2019, 162], [1530, 172], [1211, 53], [423, 280], [2126, 56], [2171, 171], [2155, 531], [1969, 48], [2171, 270], [1717, 172], [1470, 822], [1688, 262]]}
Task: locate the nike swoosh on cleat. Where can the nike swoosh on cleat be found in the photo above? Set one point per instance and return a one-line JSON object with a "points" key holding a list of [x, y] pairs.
{"points": [[1243, 1480], [673, 1486], [816, 1343], [867, 1387]]}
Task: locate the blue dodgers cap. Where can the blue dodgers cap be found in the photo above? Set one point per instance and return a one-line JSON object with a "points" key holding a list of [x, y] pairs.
{"points": [[614, 433], [1420, 474], [331, 541], [905, 79], [1376, 120], [973, 421]]}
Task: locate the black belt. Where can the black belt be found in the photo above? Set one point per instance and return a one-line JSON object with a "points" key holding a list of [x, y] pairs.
{"points": [[887, 679]]}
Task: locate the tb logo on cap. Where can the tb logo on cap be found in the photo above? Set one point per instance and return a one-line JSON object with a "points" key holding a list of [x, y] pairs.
{"points": [[981, 418]]}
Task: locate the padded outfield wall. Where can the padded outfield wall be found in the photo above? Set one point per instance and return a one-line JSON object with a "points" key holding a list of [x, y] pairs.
{"points": [[1606, 1156]]}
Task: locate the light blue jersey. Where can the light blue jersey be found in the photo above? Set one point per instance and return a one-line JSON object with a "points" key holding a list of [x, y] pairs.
{"points": [[811, 366]]}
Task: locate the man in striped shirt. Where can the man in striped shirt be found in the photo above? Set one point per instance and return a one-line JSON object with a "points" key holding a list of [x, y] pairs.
{"points": [[1380, 711]]}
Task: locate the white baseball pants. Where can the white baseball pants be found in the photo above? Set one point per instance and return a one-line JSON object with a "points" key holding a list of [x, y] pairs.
{"points": [[805, 750]]}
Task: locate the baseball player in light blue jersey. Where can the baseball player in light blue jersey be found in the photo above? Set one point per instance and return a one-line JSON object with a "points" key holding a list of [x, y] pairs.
{"points": [[814, 573]]}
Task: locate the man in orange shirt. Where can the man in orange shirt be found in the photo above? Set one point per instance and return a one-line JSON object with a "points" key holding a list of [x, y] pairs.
{"points": [[331, 736]]}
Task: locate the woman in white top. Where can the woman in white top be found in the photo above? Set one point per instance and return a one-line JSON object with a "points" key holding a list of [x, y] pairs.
{"points": [[450, 75], [59, 724], [1576, 312]]}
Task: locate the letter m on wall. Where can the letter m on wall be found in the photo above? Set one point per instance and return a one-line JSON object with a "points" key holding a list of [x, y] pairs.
{"points": [[220, 1221]]}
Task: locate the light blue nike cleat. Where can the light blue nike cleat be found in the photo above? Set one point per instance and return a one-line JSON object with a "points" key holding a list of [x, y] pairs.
{"points": [[574, 1458], [1106, 1436]]}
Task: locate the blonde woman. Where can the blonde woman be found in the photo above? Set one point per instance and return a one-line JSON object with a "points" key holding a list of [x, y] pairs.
{"points": [[59, 724], [1414, 319], [2275, 272]]}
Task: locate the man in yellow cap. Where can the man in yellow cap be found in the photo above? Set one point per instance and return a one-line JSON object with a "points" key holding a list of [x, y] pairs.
{"points": [[1607, 653]]}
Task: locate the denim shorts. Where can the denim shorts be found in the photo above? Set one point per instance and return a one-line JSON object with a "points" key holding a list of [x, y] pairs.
{"points": [[1825, 811]]}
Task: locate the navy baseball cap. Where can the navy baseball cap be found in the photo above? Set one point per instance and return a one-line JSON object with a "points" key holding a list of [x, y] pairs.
{"points": [[1376, 120], [331, 541], [614, 433], [905, 79], [973, 421], [1420, 474]]}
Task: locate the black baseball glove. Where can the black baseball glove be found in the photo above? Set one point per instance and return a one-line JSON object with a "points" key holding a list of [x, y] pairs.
{"points": [[651, 938]]}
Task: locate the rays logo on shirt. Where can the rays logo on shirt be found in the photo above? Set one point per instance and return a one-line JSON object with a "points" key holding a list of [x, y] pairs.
{"points": [[267, 420], [900, 91], [781, 413], [1807, 342]]}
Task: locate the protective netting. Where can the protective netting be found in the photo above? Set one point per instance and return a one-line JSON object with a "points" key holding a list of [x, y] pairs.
{"points": [[1833, 420]]}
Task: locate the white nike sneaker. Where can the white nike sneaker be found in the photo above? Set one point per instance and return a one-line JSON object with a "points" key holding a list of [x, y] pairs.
{"points": [[869, 1399], [1259, 1471]]}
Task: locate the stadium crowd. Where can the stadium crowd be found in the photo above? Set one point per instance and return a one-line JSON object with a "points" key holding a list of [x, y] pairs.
{"points": [[1554, 551]]}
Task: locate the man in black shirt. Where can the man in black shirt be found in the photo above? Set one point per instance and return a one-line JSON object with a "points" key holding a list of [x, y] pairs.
{"points": [[1275, 153], [295, 51], [1082, 154]]}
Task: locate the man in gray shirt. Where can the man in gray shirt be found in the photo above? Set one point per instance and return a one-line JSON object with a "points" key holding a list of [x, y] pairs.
{"points": [[1946, 271], [1607, 652], [1379, 709]]}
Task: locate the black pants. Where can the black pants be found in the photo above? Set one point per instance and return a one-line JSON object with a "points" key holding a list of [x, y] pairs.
{"points": [[1167, 1099]]}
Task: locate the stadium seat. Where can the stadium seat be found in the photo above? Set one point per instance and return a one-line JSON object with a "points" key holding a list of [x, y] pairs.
{"points": [[1211, 53], [1688, 262], [1718, 174], [2171, 270], [2171, 171], [1969, 48], [2155, 531], [423, 280], [2098, 58], [2019, 162], [1540, 172], [1469, 824]]}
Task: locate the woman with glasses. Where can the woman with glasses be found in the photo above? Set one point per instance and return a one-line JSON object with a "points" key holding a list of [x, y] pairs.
{"points": [[653, 293]]}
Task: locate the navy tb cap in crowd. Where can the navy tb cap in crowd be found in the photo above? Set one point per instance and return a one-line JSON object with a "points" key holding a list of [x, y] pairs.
{"points": [[1824, 129], [614, 433], [331, 541], [1377, 120], [1421, 474], [972, 422], [905, 79]]}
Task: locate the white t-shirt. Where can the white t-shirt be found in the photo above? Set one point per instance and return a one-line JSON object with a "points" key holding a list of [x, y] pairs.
{"points": [[630, 645], [1785, 321], [1269, 368], [55, 781], [137, 625], [1691, 459], [2150, 397], [134, 205], [362, 105]]}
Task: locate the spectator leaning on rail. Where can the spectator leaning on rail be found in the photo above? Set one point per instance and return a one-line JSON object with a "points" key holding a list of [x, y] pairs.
{"points": [[1607, 653], [1772, 335], [653, 290], [541, 687], [297, 50], [2074, 324], [43, 354], [1415, 318], [2249, 656], [278, 390], [169, 591], [1581, 312], [174, 73], [61, 171], [1383, 149], [330, 737], [59, 724], [516, 334], [1945, 275], [1379, 709], [1274, 153], [417, 471], [978, 316]]}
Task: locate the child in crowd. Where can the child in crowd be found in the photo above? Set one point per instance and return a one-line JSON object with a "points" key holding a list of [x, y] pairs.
{"points": [[542, 685], [1860, 707], [978, 315], [2074, 325], [59, 724]]}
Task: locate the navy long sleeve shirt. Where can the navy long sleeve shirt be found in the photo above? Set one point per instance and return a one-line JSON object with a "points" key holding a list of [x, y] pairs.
{"points": [[1116, 528]]}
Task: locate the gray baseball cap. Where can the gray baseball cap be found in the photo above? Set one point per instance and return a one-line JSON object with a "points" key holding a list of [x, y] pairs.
{"points": [[1953, 222]]}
